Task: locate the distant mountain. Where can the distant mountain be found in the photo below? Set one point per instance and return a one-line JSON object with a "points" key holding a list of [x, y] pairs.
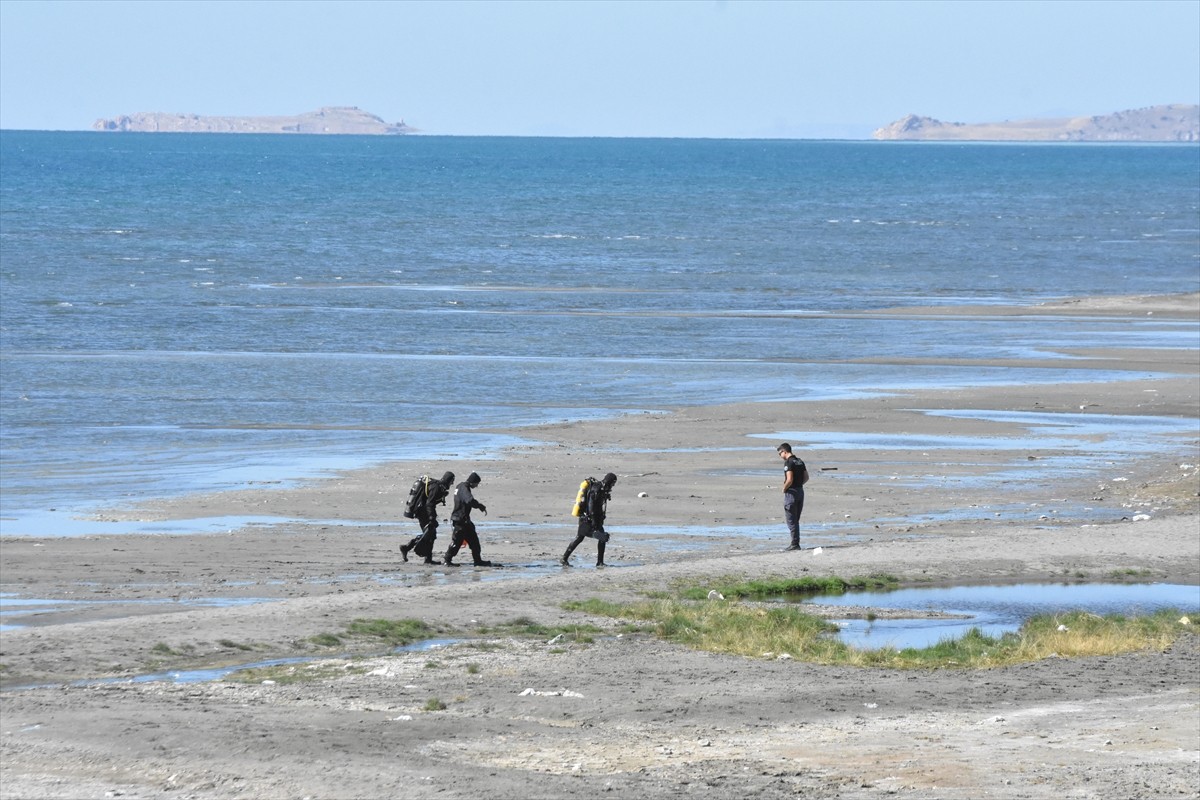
{"points": [[1171, 123], [331, 120]]}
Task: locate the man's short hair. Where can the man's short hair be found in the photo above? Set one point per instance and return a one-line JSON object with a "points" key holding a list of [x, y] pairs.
{"points": [[784, 448]]}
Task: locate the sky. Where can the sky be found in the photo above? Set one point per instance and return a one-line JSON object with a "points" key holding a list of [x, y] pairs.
{"points": [[663, 68]]}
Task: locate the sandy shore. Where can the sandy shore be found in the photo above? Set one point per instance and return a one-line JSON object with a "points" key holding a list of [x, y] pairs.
{"points": [[629, 716]]}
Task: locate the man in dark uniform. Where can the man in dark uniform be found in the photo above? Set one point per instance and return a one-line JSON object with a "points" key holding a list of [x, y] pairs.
{"points": [[591, 519], [427, 515], [795, 475], [463, 529]]}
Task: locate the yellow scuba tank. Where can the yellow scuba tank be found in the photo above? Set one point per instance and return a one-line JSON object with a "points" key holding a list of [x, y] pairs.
{"points": [[577, 510]]}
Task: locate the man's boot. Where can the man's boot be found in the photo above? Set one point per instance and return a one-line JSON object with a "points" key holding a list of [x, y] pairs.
{"points": [[404, 552], [600, 555], [566, 559]]}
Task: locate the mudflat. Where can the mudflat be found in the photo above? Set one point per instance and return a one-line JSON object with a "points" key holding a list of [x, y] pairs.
{"points": [[930, 486]]}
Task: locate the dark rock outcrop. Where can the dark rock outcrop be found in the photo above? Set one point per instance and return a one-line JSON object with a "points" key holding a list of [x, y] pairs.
{"points": [[1169, 123]]}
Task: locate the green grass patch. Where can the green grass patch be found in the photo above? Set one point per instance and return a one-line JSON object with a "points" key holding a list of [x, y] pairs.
{"points": [[232, 645], [326, 640], [723, 627], [526, 627], [163, 649], [1075, 634], [434, 704], [1123, 574], [773, 587], [284, 674], [394, 632], [391, 632]]}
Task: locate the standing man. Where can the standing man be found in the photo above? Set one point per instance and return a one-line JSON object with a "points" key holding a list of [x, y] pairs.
{"points": [[591, 519], [795, 475], [463, 529], [427, 515]]}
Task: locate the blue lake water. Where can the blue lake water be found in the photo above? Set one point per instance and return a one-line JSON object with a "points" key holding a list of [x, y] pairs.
{"points": [[191, 312]]}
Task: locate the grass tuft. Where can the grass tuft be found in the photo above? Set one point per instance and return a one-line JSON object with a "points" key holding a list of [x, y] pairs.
{"points": [[773, 587], [232, 645], [326, 640], [395, 632], [526, 627]]}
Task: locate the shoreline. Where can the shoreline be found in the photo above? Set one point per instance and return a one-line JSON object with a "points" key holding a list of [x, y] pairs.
{"points": [[983, 491], [1091, 365]]}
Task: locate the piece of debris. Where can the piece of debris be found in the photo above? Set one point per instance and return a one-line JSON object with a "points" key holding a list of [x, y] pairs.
{"points": [[713, 594], [531, 692]]}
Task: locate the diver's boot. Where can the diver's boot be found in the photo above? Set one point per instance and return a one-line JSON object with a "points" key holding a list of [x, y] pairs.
{"points": [[566, 559], [404, 552], [600, 555]]}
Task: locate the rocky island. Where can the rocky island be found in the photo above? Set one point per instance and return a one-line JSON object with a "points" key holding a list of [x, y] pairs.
{"points": [[330, 120], [1167, 123]]}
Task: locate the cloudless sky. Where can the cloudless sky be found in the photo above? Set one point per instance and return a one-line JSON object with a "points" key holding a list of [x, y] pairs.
{"points": [[711, 68]]}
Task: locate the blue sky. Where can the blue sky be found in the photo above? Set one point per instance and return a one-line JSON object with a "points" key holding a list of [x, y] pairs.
{"points": [[714, 68]]}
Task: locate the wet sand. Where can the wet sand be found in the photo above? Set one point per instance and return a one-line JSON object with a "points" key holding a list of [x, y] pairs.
{"points": [[628, 716]]}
